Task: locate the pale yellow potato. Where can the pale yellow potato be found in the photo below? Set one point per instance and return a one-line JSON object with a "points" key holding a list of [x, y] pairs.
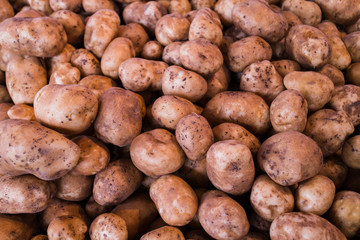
{"points": [[92, 6], [269, 199], [73, 25], [86, 62], [65, 73], [22, 111], [97, 84], [152, 50], [156, 153], [246, 51], [335, 75], [329, 129], [63, 57], [199, 4], [24, 78], [72, 5], [353, 74], [4, 94], [175, 200], [308, 12], [108, 225], [315, 87], [179, 6], [340, 12], [73, 187], [6, 10], [67, 227], [172, 27], [335, 169], [70, 109], [351, 152], [164, 233], [171, 53], [224, 9], [100, 29], [4, 108], [284, 66], [136, 33]]}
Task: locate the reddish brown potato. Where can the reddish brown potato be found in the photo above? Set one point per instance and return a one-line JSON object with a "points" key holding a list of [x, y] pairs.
{"points": [[335, 169], [172, 27], [152, 50], [164, 233], [65, 73], [353, 74], [171, 53], [308, 12], [351, 152], [283, 67], [108, 225], [340, 12], [67, 227], [336, 76], [21, 111], [136, 33], [73, 187]]}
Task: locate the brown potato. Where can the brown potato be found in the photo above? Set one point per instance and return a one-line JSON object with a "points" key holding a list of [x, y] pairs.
{"points": [[291, 18], [4, 95], [4, 108], [308, 12], [16, 227], [40, 237], [67, 227], [172, 27], [219, 82], [223, 8], [98, 84], [37, 150], [171, 53], [152, 50], [92, 6], [353, 74], [340, 12], [72, 5], [180, 6], [40, 5], [86, 62], [335, 169], [21, 111], [65, 73], [335, 75], [26, 36], [108, 225], [194, 173], [279, 150], [27, 11], [5, 57], [6, 10], [270, 199], [93, 209], [283, 67], [136, 33], [73, 187], [351, 152], [163, 233], [63, 57], [199, 4], [179, 212], [73, 25]]}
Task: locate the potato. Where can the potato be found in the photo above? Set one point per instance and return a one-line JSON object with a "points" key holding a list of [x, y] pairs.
{"points": [[308, 12], [340, 12], [198, 234], [296, 225], [177, 212], [4, 94], [335, 169], [246, 51], [288, 112], [163, 233], [25, 83], [137, 74], [351, 152], [352, 44], [222, 217], [98, 84], [2, 76], [136, 33], [156, 153], [63, 57], [283, 67], [244, 108], [65, 73], [152, 50], [171, 53], [345, 212], [270, 199], [258, 223], [40, 5], [353, 74], [277, 152], [199, 4], [179, 6], [37, 150], [16, 227], [72, 23], [329, 129], [72, 187], [26, 36], [6, 10], [291, 18], [27, 11], [257, 18], [201, 56], [67, 227], [316, 88], [219, 82], [21, 111], [194, 173], [206, 24], [4, 108], [108, 225], [93, 209], [101, 28], [172, 27], [335, 75], [138, 211], [92, 6], [86, 62], [71, 5], [223, 8], [168, 110]]}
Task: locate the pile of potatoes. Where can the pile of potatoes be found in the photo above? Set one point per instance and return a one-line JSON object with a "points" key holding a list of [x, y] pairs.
{"points": [[179, 119]]}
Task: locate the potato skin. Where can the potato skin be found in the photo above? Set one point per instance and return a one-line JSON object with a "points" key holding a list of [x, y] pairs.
{"points": [[6, 10], [65, 73], [21, 111], [308, 12], [40, 150], [350, 153], [163, 233], [72, 187], [136, 33], [16, 227], [86, 62], [4, 95], [340, 12], [67, 227], [335, 169], [290, 157], [4, 108], [152, 50], [172, 27], [108, 225], [63, 57], [98, 84], [284, 66], [72, 5], [353, 74], [26, 36], [295, 225], [171, 54]]}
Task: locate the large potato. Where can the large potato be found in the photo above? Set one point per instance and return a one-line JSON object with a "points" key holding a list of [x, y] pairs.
{"points": [[34, 149], [290, 157], [108, 226], [40, 37]]}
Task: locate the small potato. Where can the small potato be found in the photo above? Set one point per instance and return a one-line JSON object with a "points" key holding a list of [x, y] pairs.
{"points": [[65, 73], [353, 74], [86, 62], [246, 51], [179, 6], [244, 108], [270, 199], [4, 108], [171, 53], [230, 166], [345, 212], [352, 44], [156, 153], [164, 233], [73, 187], [137, 74], [335, 75], [136, 33], [224, 8], [22, 111], [116, 182], [70, 109], [308, 12], [152, 50], [296, 225], [92, 6], [329, 129], [24, 78], [6, 10], [67, 227], [118, 123], [199, 4], [98, 84], [283, 67], [335, 169], [108, 225], [26, 36], [101, 28], [194, 173], [93, 209], [194, 136], [35, 150], [206, 24], [175, 200], [63, 57], [115, 53], [315, 87], [257, 18], [186, 84], [71, 5], [168, 110], [72, 23], [201, 56], [288, 112], [4, 94], [351, 152], [308, 46], [172, 27], [290, 157], [340, 12], [222, 217]]}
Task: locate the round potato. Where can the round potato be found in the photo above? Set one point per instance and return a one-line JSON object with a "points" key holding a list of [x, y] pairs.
{"points": [[152, 50], [108, 225], [283, 67], [136, 33], [180, 6], [73, 187], [308, 12], [335, 75], [351, 152], [172, 27], [163, 233], [171, 53], [22, 111], [67, 227], [65, 73], [98, 84], [86, 62]]}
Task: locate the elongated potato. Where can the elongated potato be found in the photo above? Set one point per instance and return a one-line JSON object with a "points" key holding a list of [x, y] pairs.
{"points": [[40, 37]]}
